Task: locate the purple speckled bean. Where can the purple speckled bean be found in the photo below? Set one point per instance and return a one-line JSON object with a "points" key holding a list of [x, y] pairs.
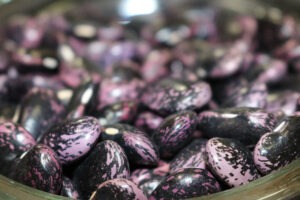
{"points": [[113, 92], [40, 168], [186, 55], [83, 100], [137, 145], [120, 112], [186, 183], [231, 161], [40, 109], [148, 121], [105, 162], [142, 146], [73, 139], [275, 73], [118, 189], [183, 74], [175, 132], [244, 124], [279, 147], [71, 76], [149, 178], [124, 72], [139, 176], [227, 90], [285, 102], [155, 63], [118, 52], [265, 69], [14, 140], [231, 61], [192, 156], [254, 96], [68, 189], [241, 93], [169, 96]]}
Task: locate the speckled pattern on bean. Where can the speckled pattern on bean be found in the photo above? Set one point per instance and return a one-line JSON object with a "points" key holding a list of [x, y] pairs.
{"points": [[279, 147], [169, 96], [285, 102], [118, 189], [106, 161], [42, 107], [245, 95], [40, 169], [14, 140], [148, 121], [68, 189], [192, 156], [138, 146], [186, 183], [149, 178], [113, 92], [231, 161], [73, 139], [83, 100], [120, 112], [244, 124], [175, 132]]}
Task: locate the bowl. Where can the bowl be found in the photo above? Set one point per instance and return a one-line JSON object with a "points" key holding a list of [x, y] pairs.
{"points": [[281, 184]]}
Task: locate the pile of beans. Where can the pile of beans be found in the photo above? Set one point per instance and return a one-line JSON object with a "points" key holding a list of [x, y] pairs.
{"points": [[162, 109]]}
